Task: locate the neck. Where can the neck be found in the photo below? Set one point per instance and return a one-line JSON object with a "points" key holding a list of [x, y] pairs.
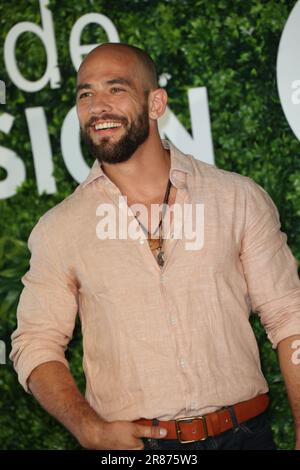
{"points": [[147, 170]]}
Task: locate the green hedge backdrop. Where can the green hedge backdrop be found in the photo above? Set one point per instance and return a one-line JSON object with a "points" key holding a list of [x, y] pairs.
{"points": [[229, 46]]}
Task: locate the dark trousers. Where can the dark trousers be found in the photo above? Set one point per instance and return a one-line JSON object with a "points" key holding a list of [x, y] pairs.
{"points": [[254, 434]]}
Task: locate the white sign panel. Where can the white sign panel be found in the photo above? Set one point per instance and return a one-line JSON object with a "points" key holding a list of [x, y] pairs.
{"points": [[288, 70]]}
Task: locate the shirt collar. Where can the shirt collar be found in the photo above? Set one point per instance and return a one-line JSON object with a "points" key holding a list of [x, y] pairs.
{"points": [[180, 165]]}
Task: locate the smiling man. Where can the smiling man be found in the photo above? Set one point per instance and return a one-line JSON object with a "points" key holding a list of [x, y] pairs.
{"points": [[170, 359]]}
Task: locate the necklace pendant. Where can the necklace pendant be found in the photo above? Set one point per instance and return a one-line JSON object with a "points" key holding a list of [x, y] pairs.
{"points": [[161, 258]]}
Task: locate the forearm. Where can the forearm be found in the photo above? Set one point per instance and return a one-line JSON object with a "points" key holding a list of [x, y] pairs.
{"points": [[53, 386], [289, 359]]}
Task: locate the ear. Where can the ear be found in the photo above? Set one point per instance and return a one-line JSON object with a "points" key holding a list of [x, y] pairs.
{"points": [[157, 101]]}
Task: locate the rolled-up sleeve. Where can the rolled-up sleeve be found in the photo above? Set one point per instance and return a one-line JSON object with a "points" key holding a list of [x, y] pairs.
{"points": [[270, 268], [47, 308]]}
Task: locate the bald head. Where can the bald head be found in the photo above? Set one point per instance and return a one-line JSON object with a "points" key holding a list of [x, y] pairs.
{"points": [[118, 101], [143, 61]]}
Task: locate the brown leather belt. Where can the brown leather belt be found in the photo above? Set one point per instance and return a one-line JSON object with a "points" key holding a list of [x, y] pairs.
{"points": [[199, 428]]}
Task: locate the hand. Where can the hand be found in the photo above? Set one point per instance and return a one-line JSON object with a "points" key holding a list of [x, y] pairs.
{"points": [[120, 435]]}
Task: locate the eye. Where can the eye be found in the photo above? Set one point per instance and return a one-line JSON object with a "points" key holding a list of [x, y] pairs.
{"points": [[83, 95], [116, 89]]}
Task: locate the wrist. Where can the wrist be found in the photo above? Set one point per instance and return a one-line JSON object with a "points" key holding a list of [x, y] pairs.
{"points": [[90, 431]]}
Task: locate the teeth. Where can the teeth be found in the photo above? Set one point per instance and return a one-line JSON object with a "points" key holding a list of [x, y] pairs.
{"points": [[107, 125]]}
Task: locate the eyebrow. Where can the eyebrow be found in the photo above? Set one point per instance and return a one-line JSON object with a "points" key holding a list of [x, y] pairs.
{"points": [[82, 86], [113, 81], [120, 81]]}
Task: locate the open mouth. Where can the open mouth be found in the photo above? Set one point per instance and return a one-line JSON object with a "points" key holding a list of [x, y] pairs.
{"points": [[106, 127]]}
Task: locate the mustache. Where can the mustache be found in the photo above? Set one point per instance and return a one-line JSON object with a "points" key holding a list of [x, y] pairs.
{"points": [[106, 117]]}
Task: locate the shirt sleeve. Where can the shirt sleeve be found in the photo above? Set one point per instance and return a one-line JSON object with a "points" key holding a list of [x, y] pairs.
{"points": [[270, 268], [47, 308]]}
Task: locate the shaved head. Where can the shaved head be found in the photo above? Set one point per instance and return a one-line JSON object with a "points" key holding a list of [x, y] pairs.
{"points": [[142, 58], [118, 101]]}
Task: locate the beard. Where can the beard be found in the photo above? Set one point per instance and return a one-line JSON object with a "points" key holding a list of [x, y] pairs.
{"points": [[120, 151]]}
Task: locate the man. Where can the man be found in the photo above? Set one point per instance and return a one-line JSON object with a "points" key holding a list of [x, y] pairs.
{"points": [[166, 337]]}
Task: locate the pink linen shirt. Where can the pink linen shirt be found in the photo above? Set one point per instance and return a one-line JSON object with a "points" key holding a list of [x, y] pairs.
{"points": [[160, 342]]}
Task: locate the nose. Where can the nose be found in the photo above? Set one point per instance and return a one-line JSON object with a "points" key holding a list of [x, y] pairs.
{"points": [[100, 103]]}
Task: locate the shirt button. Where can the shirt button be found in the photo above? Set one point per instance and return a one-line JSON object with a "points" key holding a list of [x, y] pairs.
{"points": [[163, 278], [142, 242], [193, 405], [182, 362], [173, 321]]}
